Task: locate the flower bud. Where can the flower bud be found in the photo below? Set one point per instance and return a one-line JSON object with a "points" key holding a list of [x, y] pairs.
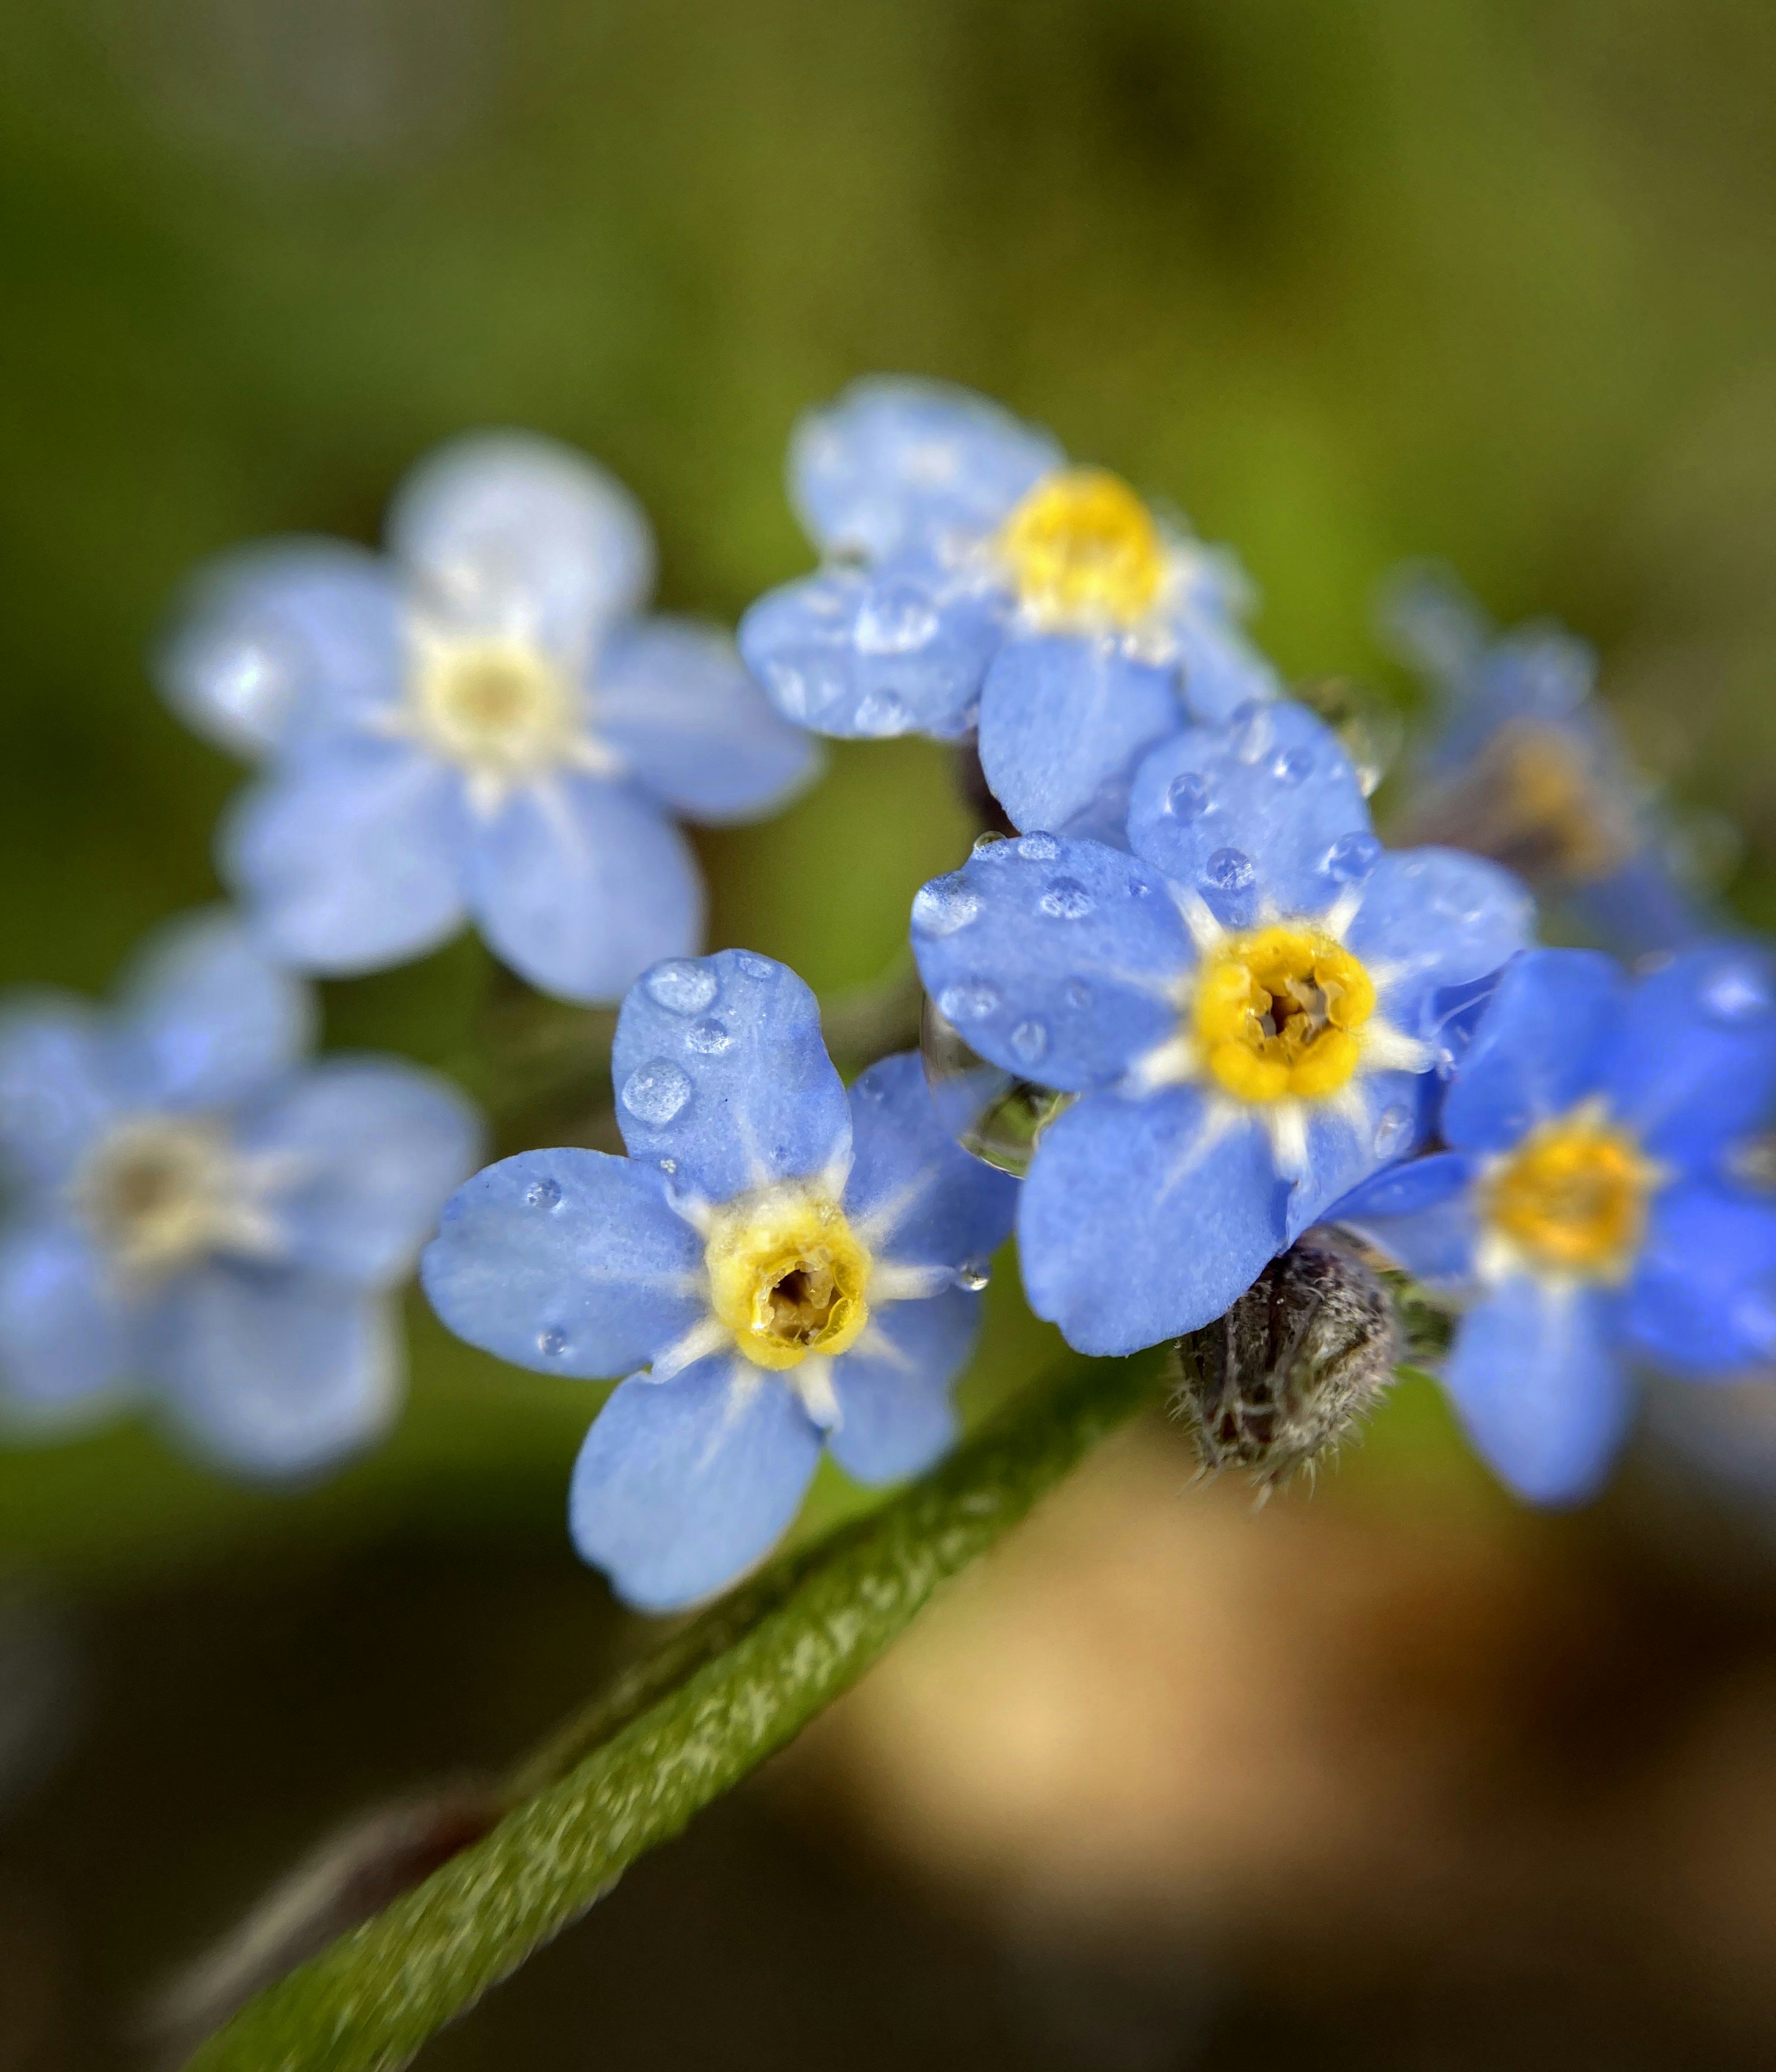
{"points": [[1302, 1354]]}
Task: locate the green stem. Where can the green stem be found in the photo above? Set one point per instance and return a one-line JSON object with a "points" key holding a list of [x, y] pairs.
{"points": [[721, 1695]]}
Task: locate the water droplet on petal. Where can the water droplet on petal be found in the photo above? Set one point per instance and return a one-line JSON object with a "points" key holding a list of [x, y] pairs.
{"points": [[1078, 993], [1393, 1130], [883, 712], [1187, 797], [755, 966], [973, 1274], [1066, 900], [1229, 871], [1294, 765], [1039, 849], [994, 1115], [1351, 858], [668, 1165], [709, 1038], [552, 1344], [544, 1194], [897, 620], [944, 905], [972, 1001], [1250, 730], [1029, 1041], [1736, 993], [875, 1091], [990, 840], [682, 986], [656, 1092]]}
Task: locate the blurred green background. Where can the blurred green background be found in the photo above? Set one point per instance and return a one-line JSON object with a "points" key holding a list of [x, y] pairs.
{"points": [[1479, 279]]}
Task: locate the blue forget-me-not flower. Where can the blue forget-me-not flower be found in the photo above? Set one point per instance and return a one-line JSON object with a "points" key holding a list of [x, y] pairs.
{"points": [[1588, 1202], [479, 725], [974, 580], [775, 1266], [1246, 1007], [197, 1214]]}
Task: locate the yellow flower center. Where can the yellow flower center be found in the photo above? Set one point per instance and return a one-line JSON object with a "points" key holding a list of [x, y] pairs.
{"points": [[1276, 1013], [1573, 1197], [1082, 546], [498, 705], [159, 1192], [786, 1275]]}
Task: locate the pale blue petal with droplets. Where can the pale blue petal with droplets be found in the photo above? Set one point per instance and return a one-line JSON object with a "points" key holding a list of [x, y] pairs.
{"points": [[207, 1018], [1693, 1064], [509, 532], [290, 636], [719, 1066], [682, 1484], [1421, 1214], [897, 462], [570, 1262], [372, 1147], [867, 653], [922, 1199], [64, 1340], [1703, 1299], [1141, 1219], [274, 1373], [581, 886], [893, 1386], [1538, 1048], [1540, 1386], [1263, 817], [1064, 721], [349, 860], [671, 698], [1053, 958], [1433, 919], [1343, 1148], [58, 1084]]}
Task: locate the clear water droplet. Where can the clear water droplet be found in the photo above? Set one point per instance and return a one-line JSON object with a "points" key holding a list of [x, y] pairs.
{"points": [[1187, 797], [552, 1344], [896, 619], [873, 1091], [1078, 993], [1351, 858], [995, 1115], [971, 1001], [1066, 900], [1229, 871], [1735, 994], [1039, 848], [883, 712], [973, 1274], [709, 1038], [1393, 1130], [544, 1194], [755, 966], [944, 905], [1251, 730], [656, 1092], [1029, 1041], [990, 840], [668, 1165], [682, 986], [1294, 765]]}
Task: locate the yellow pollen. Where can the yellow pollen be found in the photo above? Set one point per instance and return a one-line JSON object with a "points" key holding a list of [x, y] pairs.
{"points": [[787, 1275], [494, 704], [1573, 1197], [1082, 546], [1277, 1013]]}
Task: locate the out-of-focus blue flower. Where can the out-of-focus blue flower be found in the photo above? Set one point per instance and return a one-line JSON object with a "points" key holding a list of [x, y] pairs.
{"points": [[1588, 1203], [972, 580], [196, 1215], [1526, 766], [478, 725], [774, 1267], [1247, 1008]]}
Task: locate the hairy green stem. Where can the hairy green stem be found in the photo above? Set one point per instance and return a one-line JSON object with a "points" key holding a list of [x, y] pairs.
{"points": [[722, 1694]]}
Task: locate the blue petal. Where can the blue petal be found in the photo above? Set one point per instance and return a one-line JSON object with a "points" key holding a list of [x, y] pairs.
{"points": [[1703, 1300], [571, 1262], [274, 1373], [897, 463], [1389, 1121], [375, 1147], [60, 1085], [1058, 959], [865, 653], [918, 1199], [349, 861], [1223, 670], [1064, 721], [1139, 1221], [1640, 911], [580, 888], [1539, 1387], [1694, 1062], [505, 531], [281, 638], [1262, 816], [1431, 919], [682, 1484], [208, 1017], [693, 730], [1421, 1214], [719, 1067], [895, 1414], [1539, 1047], [64, 1341]]}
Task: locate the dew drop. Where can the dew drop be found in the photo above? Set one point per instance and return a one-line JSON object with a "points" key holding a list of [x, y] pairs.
{"points": [[1039, 848], [1294, 765], [755, 966], [1029, 1040], [544, 1194], [1066, 900], [971, 1001], [1187, 797], [883, 712], [1351, 857], [709, 1038], [1229, 871], [656, 1092], [1250, 730], [990, 840], [1735, 993], [552, 1344], [681, 986], [1393, 1130], [897, 620], [668, 1165], [1078, 993], [943, 905], [973, 1274], [994, 1115]]}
